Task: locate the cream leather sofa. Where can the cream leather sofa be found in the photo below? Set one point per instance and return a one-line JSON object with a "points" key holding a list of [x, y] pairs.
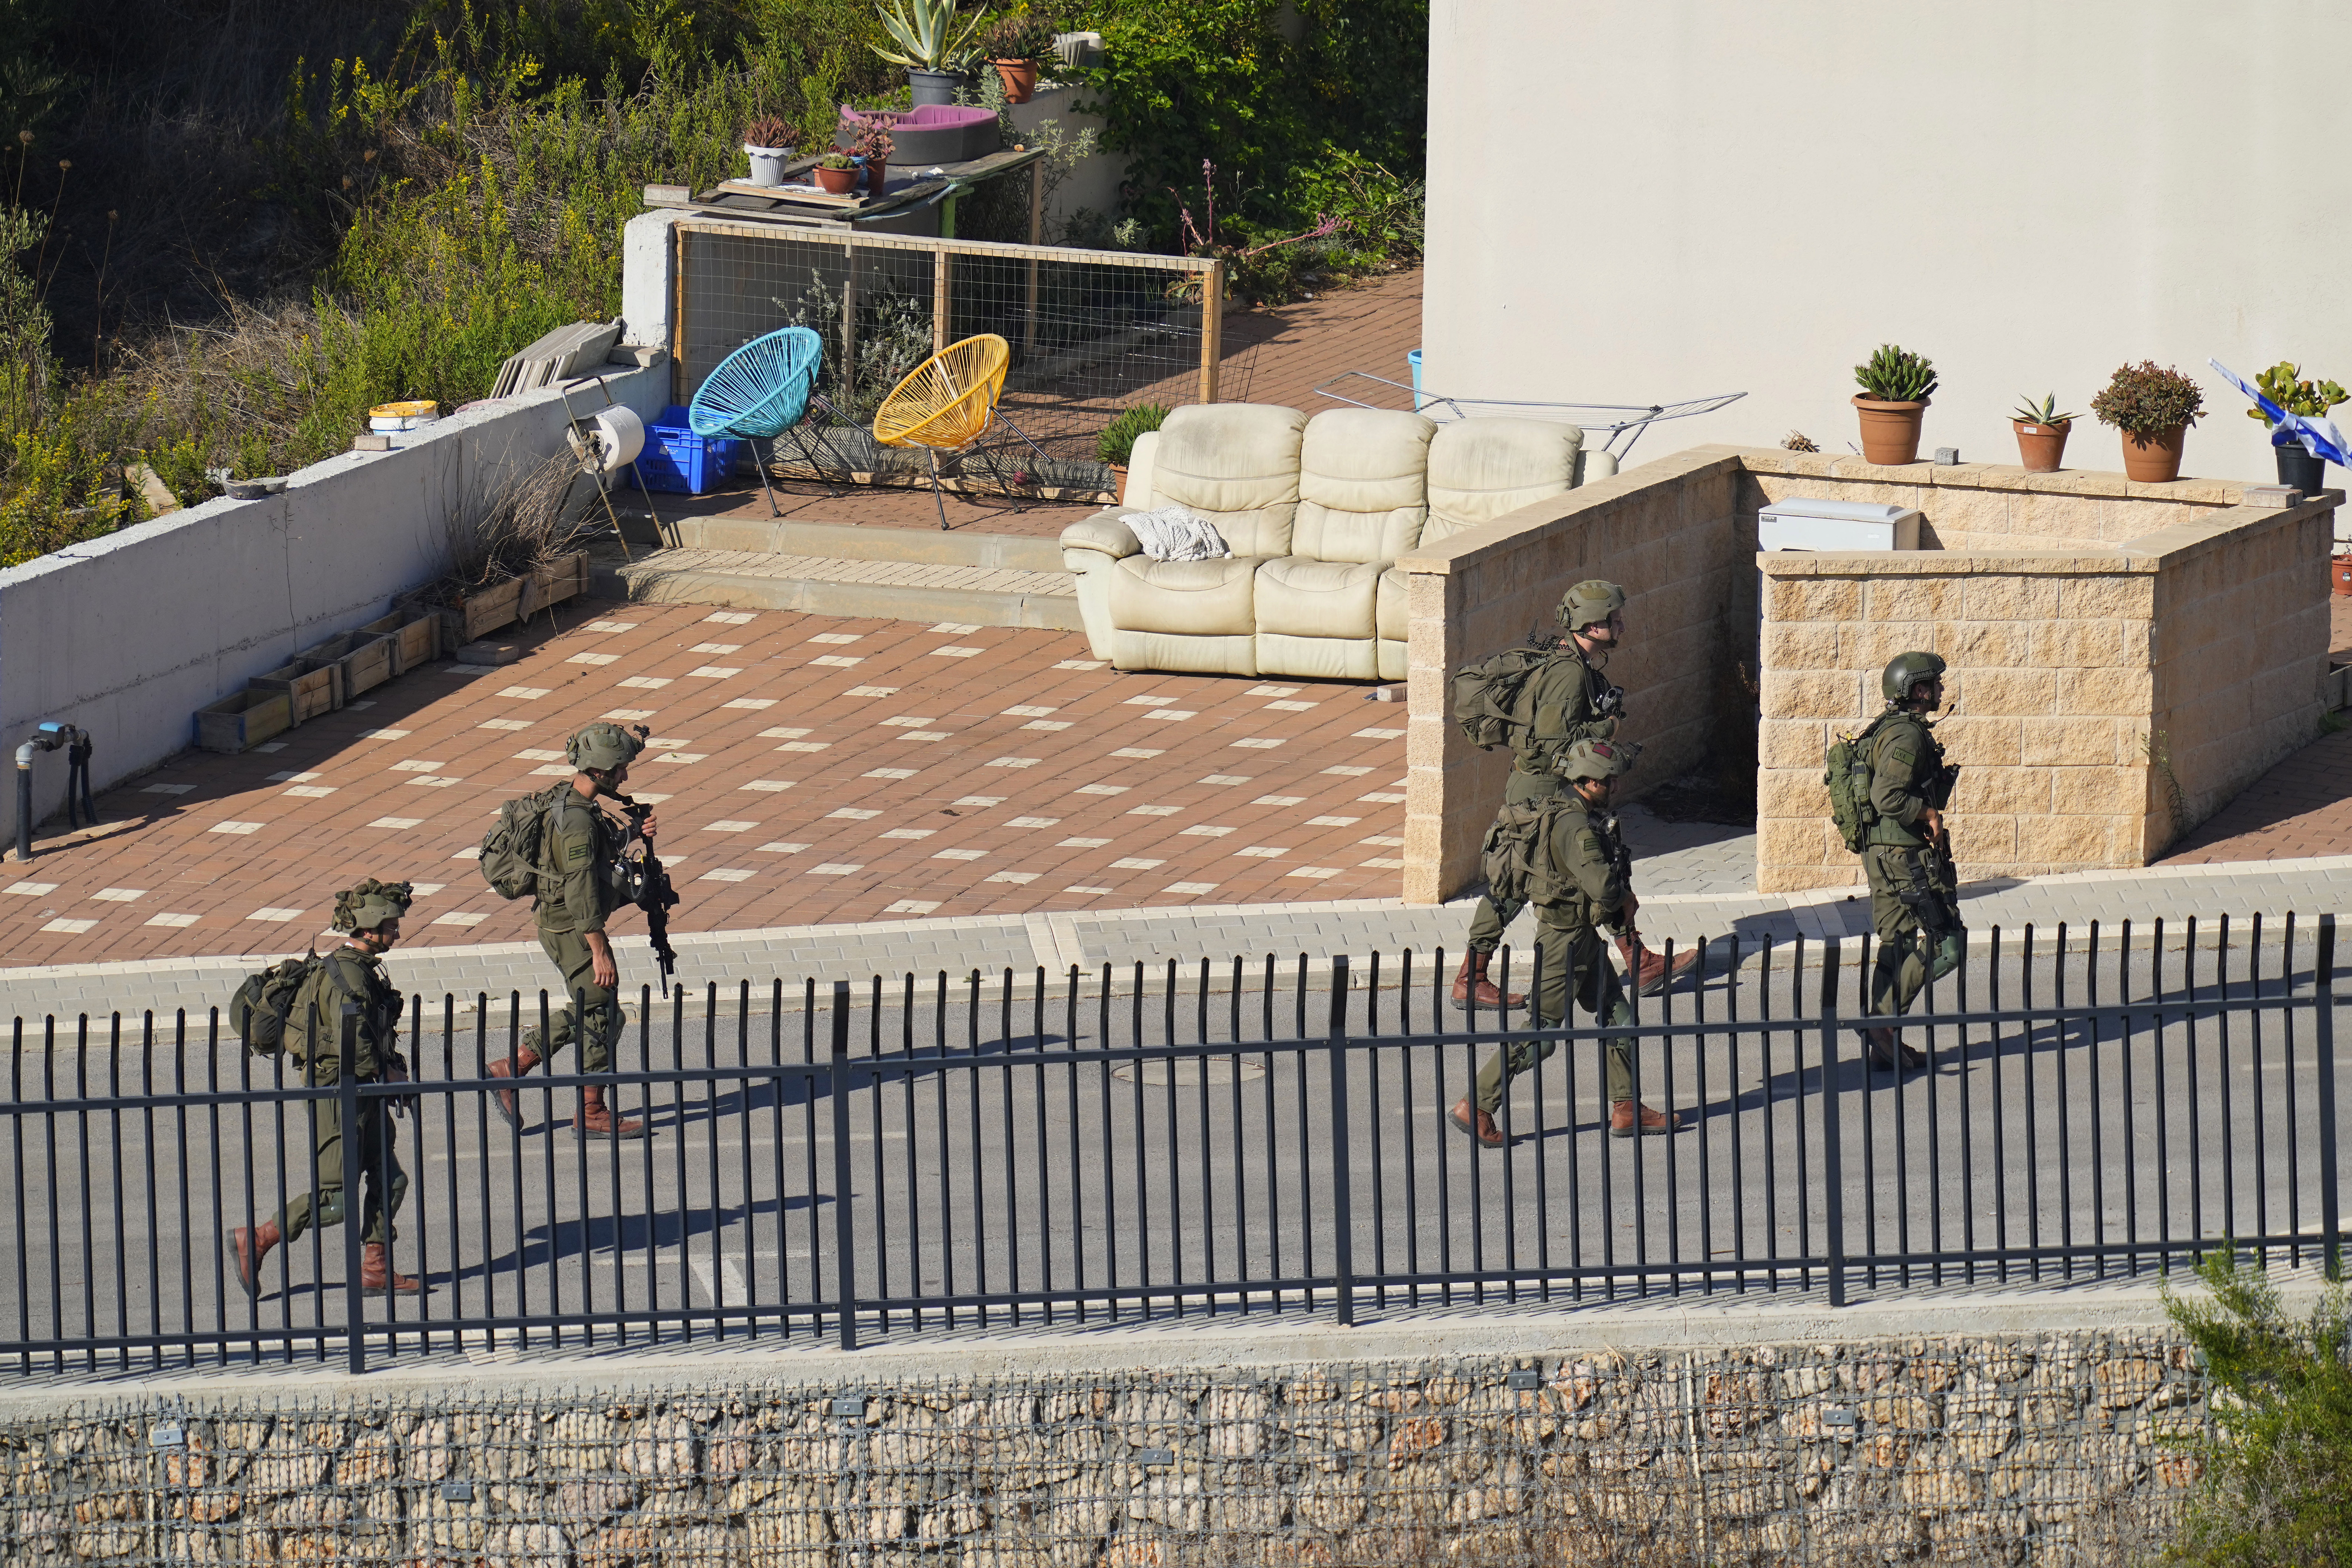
{"points": [[1315, 513]]}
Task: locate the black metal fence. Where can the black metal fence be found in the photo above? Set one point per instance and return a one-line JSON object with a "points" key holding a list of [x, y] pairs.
{"points": [[1240, 1137]]}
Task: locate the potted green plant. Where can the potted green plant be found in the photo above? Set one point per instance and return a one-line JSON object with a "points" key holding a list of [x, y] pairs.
{"points": [[2042, 433], [935, 53], [1896, 384], [1014, 46], [2154, 408], [1115, 445], [2282, 383], [836, 175], [767, 143], [872, 147]]}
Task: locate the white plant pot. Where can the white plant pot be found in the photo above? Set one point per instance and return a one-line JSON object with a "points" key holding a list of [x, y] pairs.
{"points": [[767, 164]]}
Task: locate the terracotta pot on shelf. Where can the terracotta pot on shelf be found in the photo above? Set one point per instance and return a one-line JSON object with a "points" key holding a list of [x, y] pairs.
{"points": [[2339, 575], [2153, 458], [1890, 431], [1020, 79], [2041, 448], [835, 182]]}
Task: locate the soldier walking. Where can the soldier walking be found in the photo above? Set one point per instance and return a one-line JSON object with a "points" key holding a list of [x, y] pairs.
{"points": [[1567, 698], [352, 972], [582, 879], [1914, 892], [1576, 878]]}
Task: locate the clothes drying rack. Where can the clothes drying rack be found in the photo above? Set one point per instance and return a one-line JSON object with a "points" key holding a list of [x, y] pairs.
{"points": [[1614, 421]]}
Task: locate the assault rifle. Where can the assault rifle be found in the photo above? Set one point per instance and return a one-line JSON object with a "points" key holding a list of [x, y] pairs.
{"points": [[654, 893]]}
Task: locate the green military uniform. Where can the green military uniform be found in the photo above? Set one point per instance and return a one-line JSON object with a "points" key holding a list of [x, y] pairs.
{"points": [[1560, 697], [583, 884], [1912, 886], [1579, 883], [314, 1038]]}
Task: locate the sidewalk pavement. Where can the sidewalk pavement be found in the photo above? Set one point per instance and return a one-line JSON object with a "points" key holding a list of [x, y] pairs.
{"points": [[1054, 940]]}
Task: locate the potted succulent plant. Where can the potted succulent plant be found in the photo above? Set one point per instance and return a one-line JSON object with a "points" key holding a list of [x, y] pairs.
{"points": [[2042, 433], [1896, 384], [2154, 408], [874, 148], [1115, 445], [936, 56], [2306, 471], [767, 143], [836, 175], [1014, 46]]}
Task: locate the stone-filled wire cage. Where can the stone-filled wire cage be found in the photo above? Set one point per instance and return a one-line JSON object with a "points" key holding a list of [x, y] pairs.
{"points": [[1091, 333]]}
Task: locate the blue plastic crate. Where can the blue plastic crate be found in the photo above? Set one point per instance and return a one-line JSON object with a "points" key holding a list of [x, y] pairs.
{"points": [[677, 460]]}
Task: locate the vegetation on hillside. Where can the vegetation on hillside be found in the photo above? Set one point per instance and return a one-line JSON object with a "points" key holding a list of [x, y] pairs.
{"points": [[227, 227]]}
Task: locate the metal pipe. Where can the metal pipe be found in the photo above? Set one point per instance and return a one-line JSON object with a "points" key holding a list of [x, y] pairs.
{"points": [[48, 737]]}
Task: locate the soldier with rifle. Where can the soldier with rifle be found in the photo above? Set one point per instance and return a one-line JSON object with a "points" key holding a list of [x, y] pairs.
{"points": [[584, 871], [1907, 854]]}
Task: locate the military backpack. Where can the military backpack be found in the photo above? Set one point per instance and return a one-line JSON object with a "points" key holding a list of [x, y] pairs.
{"points": [[510, 848], [263, 1008], [1487, 694], [1517, 860], [1848, 778]]}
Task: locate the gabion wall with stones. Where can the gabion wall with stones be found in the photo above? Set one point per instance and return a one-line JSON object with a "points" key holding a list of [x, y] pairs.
{"points": [[2050, 1449]]}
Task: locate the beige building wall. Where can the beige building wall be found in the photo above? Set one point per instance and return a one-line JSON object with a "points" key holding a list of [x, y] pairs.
{"points": [[1629, 204]]}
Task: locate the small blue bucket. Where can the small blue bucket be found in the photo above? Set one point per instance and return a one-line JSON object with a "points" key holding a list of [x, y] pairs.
{"points": [[1413, 358]]}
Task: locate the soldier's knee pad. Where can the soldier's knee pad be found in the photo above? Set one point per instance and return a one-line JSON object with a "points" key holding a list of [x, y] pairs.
{"points": [[327, 1207], [395, 1191]]}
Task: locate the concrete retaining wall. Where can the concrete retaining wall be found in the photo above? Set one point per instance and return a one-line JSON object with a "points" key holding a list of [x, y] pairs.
{"points": [[2056, 1448], [129, 634]]}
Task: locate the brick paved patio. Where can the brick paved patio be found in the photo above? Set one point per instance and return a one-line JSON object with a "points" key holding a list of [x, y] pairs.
{"points": [[809, 770]]}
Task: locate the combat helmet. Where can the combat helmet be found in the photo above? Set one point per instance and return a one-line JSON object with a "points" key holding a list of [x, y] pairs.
{"points": [[1589, 602], [1598, 759], [603, 748], [370, 904], [1905, 670]]}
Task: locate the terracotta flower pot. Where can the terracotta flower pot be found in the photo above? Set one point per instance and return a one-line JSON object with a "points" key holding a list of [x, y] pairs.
{"points": [[835, 182], [1890, 431], [2154, 457], [877, 174], [1118, 492], [2041, 447], [1020, 79], [2340, 573]]}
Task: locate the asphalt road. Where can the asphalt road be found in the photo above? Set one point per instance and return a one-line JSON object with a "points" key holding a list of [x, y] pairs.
{"points": [[1033, 1158]]}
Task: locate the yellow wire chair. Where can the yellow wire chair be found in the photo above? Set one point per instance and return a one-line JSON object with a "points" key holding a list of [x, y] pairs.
{"points": [[946, 403]]}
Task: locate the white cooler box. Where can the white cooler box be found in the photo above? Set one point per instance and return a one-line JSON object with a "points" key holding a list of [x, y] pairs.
{"points": [[1827, 525]]}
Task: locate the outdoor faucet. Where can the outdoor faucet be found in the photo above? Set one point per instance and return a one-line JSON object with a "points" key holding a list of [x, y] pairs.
{"points": [[48, 737]]}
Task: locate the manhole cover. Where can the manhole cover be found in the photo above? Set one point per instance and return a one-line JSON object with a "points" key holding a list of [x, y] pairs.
{"points": [[1190, 1071]]}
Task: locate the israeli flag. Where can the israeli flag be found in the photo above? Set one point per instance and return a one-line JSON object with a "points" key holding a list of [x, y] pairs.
{"points": [[2319, 437]]}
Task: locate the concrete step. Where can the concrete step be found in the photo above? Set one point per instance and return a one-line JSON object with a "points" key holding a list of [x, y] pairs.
{"points": [[880, 588], [841, 542]]}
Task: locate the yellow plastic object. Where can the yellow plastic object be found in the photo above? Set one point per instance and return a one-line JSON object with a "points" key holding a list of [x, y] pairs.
{"points": [[420, 409], [946, 402]]}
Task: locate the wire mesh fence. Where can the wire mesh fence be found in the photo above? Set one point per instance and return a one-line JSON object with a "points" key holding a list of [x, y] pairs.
{"points": [[2062, 1448], [1090, 333], [1220, 1140]]}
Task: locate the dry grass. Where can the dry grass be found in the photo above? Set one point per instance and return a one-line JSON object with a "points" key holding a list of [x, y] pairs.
{"points": [[529, 523]]}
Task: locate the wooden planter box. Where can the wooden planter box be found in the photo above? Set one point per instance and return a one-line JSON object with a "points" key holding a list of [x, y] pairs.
{"points": [[486, 611], [415, 637], [312, 688], [366, 660], [242, 721], [553, 584]]}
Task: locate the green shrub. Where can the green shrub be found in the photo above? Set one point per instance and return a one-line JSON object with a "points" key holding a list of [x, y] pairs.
{"points": [[2277, 1458], [1115, 445], [2144, 400]]}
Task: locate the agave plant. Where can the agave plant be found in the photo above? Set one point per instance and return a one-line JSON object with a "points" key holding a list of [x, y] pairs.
{"points": [[925, 32], [1897, 375], [2045, 412]]}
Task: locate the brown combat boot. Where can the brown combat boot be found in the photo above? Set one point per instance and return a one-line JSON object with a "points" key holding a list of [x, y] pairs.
{"points": [[246, 1248], [1476, 1124], [1626, 1115], [1649, 970], [511, 1066], [1470, 981], [1889, 1054], [593, 1120], [376, 1272]]}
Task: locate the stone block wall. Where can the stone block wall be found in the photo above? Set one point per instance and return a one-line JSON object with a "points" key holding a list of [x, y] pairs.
{"points": [[1666, 530], [2057, 1448]]}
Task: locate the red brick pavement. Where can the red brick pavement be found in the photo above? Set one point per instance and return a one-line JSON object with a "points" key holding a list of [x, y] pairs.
{"points": [[1269, 356], [810, 770], [2300, 807]]}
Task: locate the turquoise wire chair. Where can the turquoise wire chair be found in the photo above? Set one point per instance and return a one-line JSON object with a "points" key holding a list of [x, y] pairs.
{"points": [[759, 391]]}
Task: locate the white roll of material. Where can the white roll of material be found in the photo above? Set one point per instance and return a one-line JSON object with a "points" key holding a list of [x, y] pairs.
{"points": [[620, 437]]}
